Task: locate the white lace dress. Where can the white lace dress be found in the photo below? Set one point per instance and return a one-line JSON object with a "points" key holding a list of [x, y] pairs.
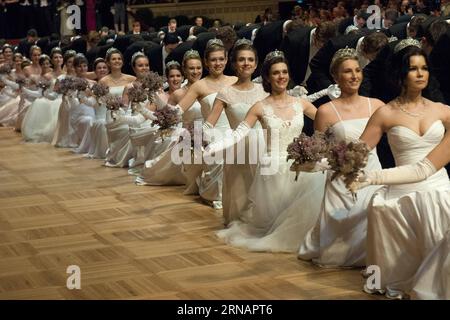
{"points": [[339, 237], [281, 209], [238, 176], [405, 222]]}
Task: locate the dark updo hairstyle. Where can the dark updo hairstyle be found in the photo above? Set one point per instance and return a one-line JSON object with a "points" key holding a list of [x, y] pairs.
{"points": [[97, 61], [110, 52], [242, 45], [68, 55], [55, 50], [44, 58], [79, 60], [400, 66], [265, 70]]}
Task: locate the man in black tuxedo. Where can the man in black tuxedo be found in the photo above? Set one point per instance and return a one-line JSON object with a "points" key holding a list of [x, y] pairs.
{"points": [[25, 44], [320, 77], [158, 54], [301, 44]]}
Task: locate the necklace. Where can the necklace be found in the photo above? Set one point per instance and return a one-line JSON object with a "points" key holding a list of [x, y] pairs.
{"points": [[412, 114]]}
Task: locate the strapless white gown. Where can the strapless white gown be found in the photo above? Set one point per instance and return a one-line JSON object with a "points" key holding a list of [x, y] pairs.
{"points": [[9, 112], [281, 209], [405, 222], [339, 237], [237, 178], [98, 132], [40, 121]]}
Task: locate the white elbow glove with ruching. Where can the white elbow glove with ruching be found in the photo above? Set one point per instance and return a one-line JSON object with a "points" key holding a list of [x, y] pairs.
{"points": [[333, 92], [32, 94], [227, 141], [410, 173]]}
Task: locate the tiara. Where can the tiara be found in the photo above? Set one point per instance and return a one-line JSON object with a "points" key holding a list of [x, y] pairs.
{"points": [[214, 41], [191, 54], [392, 39], [172, 63], [136, 55], [345, 52], [242, 41], [406, 43], [111, 51], [273, 54]]}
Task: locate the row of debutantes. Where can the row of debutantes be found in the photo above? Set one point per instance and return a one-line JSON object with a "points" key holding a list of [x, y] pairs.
{"points": [[400, 228]]}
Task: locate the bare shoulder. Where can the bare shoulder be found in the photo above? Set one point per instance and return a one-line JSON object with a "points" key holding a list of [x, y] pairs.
{"points": [[376, 103], [104, 80], [257, 108], [231, 80], [177, 95], [384, 112], [129, 77]]}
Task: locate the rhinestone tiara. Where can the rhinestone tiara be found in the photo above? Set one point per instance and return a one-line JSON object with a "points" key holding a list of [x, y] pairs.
{"points": [[191, 54], [406, 43], [214, 41], [136, 55], [345, 52], [243, 41], [273, 54], [172, 63]]}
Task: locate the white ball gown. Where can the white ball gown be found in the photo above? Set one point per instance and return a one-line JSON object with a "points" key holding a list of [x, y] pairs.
{"points": [[237, 178], [338, 238], [405, 222], [281, 209], [40, 121], [162, 170], [98, 131]]}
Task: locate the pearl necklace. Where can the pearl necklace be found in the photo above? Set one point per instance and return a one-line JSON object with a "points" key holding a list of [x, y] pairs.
{"points": [[412, 114]]}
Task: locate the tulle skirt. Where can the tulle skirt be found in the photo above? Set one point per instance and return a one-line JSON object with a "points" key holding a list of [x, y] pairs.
{"points": [[9, 112], [40, 121], [280, 213]]}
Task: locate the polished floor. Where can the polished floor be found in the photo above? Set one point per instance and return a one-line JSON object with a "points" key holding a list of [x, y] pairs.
{"points": [[59, 209]]}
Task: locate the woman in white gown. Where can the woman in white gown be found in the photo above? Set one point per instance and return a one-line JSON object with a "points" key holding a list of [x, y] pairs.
{"points": [[116, 81], [82, 115], [39, 123], [406, 221], [121, 149], [432, 279], [236, 100], [205, 91], [64, 134], [271, 224], [98, 147], [339, 236], [7, 94], [161, 170]]}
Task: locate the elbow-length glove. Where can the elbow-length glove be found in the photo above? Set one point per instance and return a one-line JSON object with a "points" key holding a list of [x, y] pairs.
{"points": [[410, 173], [50, 95], [32, 94], [333, 92], [241, 131], [146, 113], [12, 84]]}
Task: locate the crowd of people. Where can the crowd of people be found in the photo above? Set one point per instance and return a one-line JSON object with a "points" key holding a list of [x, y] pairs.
{"points": [[387, 87]]}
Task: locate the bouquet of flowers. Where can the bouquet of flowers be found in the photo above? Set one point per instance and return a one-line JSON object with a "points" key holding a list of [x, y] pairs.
{"points": [[152, 82], [44, 84], [65, 86], [21, 80], [166, 119], [99, 91], [5, 69], [347, 161], [80, 84], [136, 94], [114, 103], [307, 151]]}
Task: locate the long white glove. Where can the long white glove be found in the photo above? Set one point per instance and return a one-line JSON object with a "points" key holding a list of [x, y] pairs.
{"points": [[33, 94], [177, 106], [333, 92], [9, 92], [241, 131], [50, 95], [132, 121], [399, 175], [146, 113], [298, 91], [12, 84], [88, 101]]}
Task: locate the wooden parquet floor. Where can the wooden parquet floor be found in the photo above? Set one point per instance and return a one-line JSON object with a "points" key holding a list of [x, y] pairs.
{"points": [[130, 242]]}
